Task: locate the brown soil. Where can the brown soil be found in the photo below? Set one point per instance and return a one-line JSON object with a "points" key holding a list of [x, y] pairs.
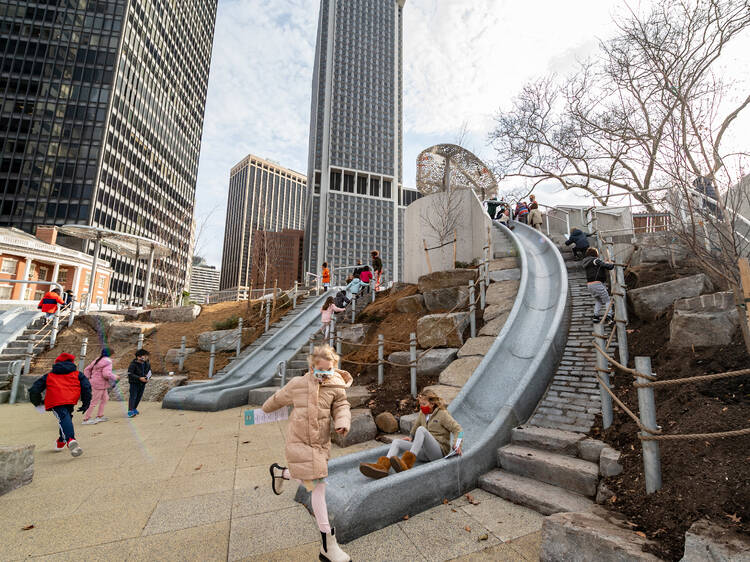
{"points": [[168, 336], [701, 478]]}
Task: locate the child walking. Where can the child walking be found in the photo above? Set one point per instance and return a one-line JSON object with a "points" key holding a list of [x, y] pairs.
{"points": [[326, 276], [139, 372], [100, 374], [317, 397], [64, 386], [326, 313], [596, 282]]}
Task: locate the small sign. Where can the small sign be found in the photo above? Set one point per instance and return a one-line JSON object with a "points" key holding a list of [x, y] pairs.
{"points": [[258, 416]]}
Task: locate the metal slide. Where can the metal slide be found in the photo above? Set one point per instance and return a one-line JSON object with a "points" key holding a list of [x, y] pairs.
{"points": [[501, 394], [254, 370]]}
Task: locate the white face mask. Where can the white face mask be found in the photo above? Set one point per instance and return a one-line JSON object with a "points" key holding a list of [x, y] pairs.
{"points": [[323, 375]]}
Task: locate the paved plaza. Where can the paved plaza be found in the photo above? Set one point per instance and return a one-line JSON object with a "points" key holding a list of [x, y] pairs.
{"points": [[172, 485]]}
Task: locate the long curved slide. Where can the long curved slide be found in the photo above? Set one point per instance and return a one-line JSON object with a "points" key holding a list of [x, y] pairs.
{"points": [[254, 370], [501, 394]]}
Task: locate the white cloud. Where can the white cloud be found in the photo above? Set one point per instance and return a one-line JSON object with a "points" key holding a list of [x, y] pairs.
{"points": [[463, 60]]}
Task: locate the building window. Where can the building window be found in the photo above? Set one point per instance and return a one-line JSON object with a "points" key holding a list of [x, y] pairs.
{"points": [[9, 266], [100, 284], [62, 276], [5, 292], [39, 294], [43, 271], [88, 280]]}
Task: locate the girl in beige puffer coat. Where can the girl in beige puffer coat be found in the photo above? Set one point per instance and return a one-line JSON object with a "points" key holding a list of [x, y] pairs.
{"points": [[316, 397]]}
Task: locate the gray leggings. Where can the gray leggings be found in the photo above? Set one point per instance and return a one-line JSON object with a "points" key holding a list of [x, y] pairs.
{"points": [[601, 297], [424, 446]]}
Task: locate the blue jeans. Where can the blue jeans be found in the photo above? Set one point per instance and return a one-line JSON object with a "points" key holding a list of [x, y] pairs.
{"points": [[64, 416]]}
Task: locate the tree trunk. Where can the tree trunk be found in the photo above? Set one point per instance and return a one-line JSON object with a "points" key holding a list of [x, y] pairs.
{"points": [[742, 300]]}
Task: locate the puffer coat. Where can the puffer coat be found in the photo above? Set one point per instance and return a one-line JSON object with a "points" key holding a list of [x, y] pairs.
{"points": [[308, 436]]}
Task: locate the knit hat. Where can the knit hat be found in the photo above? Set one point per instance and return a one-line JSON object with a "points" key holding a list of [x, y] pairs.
{"points": [[65, 357]]}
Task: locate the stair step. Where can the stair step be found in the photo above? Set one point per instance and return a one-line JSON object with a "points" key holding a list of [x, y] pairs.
{"points": [[555, 440], [543, 498], [297, 364], [4, 396], [575, 475]]}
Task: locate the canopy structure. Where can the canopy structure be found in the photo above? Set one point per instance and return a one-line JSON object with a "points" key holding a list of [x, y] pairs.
{"points": [[448, 166], [129, 245]]}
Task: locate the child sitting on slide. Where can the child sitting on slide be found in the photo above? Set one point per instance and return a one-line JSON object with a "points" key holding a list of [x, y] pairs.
{"points": [[430, 439]]}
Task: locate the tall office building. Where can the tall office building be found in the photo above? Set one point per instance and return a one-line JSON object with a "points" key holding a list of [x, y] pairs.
{"points": [[102, 107], [355, 155], [204, 280], [262, 196]]}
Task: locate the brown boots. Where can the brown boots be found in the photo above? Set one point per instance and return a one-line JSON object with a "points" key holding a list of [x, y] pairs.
{"points": [[381, 468], [406, 461], [378, 469]]}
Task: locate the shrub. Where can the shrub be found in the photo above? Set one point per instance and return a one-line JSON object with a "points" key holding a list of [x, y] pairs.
{"points": [[228, 324]]}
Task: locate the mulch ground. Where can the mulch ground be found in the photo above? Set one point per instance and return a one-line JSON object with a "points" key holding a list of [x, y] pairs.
{"points": [[701, 478]]}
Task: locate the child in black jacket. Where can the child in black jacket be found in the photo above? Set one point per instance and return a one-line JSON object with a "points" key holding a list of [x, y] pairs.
{"points": [[138, 374], [64, 385]]}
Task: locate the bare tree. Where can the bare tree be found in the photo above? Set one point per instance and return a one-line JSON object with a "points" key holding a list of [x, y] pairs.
{"points": [[443, 216], [612, 126]]}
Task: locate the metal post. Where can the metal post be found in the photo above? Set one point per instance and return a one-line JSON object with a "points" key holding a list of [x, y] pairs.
{"points": [[647, 412], [354, 308], [117, 304], [212, 358], [140, 341], [602, 367], [135, 275], [268, 314], [312, 346], [55, 327], [94, 262], [338, 344], [332, 331], [413, 362], [381, 345], [181, 357], [71, 312], [239, 337], [294, 297], [621, 314], [150, 269], [472, 310], [27, 360], [82, 356], [15, 368], [282, 372], [482, 294]]}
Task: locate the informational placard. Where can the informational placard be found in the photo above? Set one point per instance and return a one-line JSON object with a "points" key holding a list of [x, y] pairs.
{"points": [[258, 416]]}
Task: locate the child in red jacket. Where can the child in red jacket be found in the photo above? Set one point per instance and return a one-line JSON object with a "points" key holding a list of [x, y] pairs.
{"points": [[64, 386]]}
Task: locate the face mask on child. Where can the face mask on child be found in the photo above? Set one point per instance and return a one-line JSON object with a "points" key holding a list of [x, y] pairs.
{"points": [[323, 375], [426, 409]]}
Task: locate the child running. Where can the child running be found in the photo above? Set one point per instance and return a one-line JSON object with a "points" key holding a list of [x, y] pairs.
{"points": [[326, 276], [317, 397], [430, 439], [326, 313], [100, 374], [64, 386]]}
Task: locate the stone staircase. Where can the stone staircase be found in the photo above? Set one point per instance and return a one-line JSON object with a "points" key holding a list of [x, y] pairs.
{"points": [[542, 469], [16, 350]]}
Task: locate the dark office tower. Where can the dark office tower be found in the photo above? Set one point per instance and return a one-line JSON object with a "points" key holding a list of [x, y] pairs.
{"points": [[102, 107], [354, 161], [263, 196]]}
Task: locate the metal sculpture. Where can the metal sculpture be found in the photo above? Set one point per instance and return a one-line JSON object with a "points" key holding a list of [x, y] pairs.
{"points": [[448, 166]]}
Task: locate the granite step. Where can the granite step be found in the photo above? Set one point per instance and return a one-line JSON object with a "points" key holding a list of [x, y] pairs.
{"points": [[554, 440]]}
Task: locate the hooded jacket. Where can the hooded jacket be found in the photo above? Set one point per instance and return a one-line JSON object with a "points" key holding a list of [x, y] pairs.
{"points": [[596, 269], [64, 385], [340, 299], [49, 302], [377, 263], [579, 238], [99, 372], [308, 435], [136, 370]]}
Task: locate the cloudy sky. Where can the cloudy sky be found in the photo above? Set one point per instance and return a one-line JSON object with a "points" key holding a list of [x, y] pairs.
{"points": [[463, 60]]}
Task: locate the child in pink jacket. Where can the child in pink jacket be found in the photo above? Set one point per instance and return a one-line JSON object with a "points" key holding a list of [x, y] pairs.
{"points": [[326, 313], [100, 374]]}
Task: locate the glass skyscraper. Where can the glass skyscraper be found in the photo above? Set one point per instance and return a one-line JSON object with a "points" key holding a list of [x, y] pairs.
{"points": [[102, 107], [355, 155], [263, 196]]}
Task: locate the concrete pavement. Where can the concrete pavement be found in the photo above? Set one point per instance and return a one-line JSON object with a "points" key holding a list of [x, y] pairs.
{"points": [[170, 485]]}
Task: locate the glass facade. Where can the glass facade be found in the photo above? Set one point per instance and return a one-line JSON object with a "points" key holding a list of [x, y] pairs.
{"points": [[263, 196], [102, 107], [356, 134]]}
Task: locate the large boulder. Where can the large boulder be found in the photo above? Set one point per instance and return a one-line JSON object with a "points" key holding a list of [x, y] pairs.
{"points": [[442, 330], [155, 389], [351, 335], [504, 263], [494, 326], [128, 332], [16, 466], [226, 340], [652, 301], [476, 346], [499, 293], [446, 392], [176, 314], [172, 356], [703, 329], [386, 422], [501, 306], [412, 304], [706, 541], [447, 278], [431, 362], [590, 536], [362, 429], [444, 300], [505, 275], [406, 422], [460, 371], [358, 396], [101, 321]]}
